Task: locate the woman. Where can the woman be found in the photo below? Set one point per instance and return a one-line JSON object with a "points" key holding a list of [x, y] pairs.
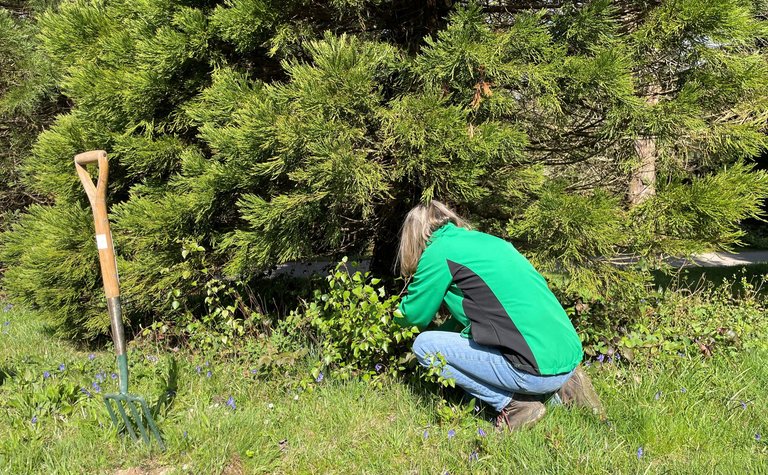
{"points": [[516, 345]]}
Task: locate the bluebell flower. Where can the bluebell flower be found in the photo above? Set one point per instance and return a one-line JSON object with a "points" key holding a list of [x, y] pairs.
{"points": [[34, 419], [96, 387], [198, 369], [451, 434], [378, 367], [601, 358], [113, 375], [91, 357], [657, 395], [587, 363], [6, 323], [640, 452], [473, 457], [320, 377], [62, 367], [86, 392], [254, 371], [683, 390], [425, 435], [481, 432], [184, 434], [208, 374], [231, 402], [100, 376], [46, 374], [744, 405], [757, 436]]}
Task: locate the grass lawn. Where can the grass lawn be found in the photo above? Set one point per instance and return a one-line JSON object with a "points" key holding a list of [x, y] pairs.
{"points": [[683, 415]]}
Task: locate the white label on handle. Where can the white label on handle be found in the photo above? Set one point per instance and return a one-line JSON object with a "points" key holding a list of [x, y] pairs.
{"points": [[101, 241]]}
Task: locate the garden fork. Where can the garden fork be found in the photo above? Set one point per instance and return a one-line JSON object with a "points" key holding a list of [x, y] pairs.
{"points": [[140, 419]]}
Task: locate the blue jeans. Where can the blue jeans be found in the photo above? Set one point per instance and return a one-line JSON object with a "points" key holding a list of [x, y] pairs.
{"points": [[482, 371]]}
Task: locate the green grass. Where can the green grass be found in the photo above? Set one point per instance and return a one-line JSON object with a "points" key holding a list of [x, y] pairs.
{"points": [[696, 425]]}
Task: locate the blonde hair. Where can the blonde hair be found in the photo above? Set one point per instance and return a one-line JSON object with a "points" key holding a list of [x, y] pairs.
{"points": [[417, 228]]}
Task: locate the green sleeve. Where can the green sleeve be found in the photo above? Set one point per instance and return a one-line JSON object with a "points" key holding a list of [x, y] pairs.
{"points": [[426, 292]]}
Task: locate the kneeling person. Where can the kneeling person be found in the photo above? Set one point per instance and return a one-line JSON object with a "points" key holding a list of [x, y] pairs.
{"points": [[516, 346]]}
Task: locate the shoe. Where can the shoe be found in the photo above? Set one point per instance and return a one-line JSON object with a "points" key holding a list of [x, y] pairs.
{"points": [[520, 413], [579, 392]]}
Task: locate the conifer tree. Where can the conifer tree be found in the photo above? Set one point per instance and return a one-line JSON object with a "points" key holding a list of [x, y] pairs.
{"points": [[247, 133], [27, 100]]}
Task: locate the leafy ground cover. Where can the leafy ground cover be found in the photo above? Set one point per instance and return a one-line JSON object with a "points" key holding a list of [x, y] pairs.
{"points": [[683, 414]]}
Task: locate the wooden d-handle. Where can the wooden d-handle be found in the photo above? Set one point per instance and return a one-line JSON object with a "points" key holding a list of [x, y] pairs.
{"points": [[89, 157], [96, 193]]}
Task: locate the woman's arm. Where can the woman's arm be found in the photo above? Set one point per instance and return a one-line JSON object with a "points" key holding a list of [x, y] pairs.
{"points": [[426, 292]]}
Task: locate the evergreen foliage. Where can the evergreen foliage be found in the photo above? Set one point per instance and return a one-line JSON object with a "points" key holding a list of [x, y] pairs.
{"points": [[264, 131], [27, 100]]}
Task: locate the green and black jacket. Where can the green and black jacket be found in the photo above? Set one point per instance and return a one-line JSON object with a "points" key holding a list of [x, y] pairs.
{"points": [[496, 296]]}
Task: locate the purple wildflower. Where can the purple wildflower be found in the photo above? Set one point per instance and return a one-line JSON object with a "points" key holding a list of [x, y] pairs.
{"points": [[96, 387], [254, 371], [481, 432], [198, 369], [34, 419], [657, 395], [7, 308], [206, 363], [683, 390], [601, 358], [378, 367], [640, 452], [113, 375], [86, 392], [587, 363], [757, 436], [6, 323], [320, 377], [100, 376], [91, 357], [46, 374], [231, 402], [743, 405], [425, 435], [208, 374], [451, 434], [473, 457], [185, 434], [62, 367]]}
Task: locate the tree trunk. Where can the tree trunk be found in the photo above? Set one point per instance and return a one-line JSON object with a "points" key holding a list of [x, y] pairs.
{"points": [[392, 215], [642, 183]]}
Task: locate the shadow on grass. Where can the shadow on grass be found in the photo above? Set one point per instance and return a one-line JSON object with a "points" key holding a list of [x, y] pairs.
{"points": [[169, 389]]}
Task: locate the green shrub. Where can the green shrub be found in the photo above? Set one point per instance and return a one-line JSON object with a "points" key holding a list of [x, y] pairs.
{"points": [[351, 324]]}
